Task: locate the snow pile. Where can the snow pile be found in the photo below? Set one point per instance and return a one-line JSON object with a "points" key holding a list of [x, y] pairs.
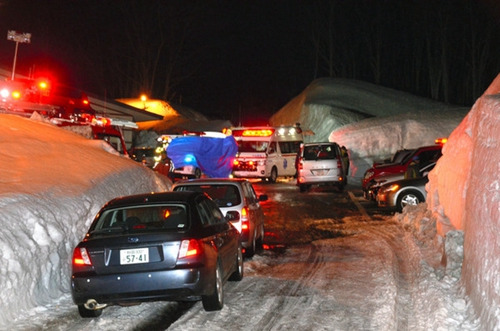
{"points": [[379, 138], [371, 121], [464, 194], [53, 182]]}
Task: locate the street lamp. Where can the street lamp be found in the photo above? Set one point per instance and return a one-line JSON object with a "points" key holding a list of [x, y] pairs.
{"points": [[144, 98], [24, 38]]}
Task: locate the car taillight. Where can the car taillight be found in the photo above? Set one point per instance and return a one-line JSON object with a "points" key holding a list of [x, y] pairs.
{"points": [[244, 219], [81, 256], [189, 248], [300, 165], [339, 163]]}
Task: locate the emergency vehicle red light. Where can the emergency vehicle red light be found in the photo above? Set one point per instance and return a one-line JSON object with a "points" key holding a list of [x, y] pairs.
{"points": [[236, 162], [258, 133], [4, 93], [43, 85], [16, 94]]}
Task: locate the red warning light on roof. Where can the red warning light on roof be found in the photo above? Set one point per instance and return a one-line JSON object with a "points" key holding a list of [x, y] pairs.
{"points": [[258, 133]]}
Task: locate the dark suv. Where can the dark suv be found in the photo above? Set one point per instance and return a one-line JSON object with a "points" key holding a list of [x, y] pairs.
{"points": [[425, 154]]}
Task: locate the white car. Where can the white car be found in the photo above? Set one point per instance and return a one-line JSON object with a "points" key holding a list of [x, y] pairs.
{"points": [[320, 164], [239, 203]]}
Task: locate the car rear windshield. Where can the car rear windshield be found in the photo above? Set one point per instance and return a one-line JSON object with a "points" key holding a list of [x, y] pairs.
{"points": [[320, 152], [224, 195], [143, 218]]}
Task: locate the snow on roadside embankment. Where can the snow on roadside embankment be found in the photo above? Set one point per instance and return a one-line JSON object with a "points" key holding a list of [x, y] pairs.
{"points": [[371, 121], [53, 183]]}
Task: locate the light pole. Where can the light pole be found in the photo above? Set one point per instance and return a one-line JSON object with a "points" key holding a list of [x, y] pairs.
{"points": [[144, 98], [24, 38]]}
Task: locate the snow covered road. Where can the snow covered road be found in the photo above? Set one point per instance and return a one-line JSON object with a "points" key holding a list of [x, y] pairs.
{"points": [[342, 272]]}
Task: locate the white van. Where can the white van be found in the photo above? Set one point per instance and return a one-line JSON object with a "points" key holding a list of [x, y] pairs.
{"points": [[320, 164], [266, 152]]}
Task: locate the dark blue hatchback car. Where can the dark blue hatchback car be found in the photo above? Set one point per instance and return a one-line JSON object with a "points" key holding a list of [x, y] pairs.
{"points": [[173, 246]]}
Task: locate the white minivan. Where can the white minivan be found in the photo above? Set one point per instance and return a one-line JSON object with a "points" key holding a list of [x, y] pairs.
{"points": [[320, 164]]}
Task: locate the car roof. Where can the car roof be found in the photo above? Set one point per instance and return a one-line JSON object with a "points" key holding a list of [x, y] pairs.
{"points": [[322, 143], [212, 181], [148, 198]]}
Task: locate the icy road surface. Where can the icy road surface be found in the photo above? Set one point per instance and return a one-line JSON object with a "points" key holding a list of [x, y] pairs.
{"points": [[332, 266]]}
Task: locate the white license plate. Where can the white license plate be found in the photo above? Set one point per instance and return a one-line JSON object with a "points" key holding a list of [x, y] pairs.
{"points": [[134, 256], [320, 172]]}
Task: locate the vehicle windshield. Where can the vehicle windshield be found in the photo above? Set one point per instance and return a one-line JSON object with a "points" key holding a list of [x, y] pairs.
{"points": [[143, 218], [224, 195], [320, 152], [252, 146]]}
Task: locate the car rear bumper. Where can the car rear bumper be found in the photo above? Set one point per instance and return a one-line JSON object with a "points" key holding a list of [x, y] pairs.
{"points": [[316, 180], [178, 284]]}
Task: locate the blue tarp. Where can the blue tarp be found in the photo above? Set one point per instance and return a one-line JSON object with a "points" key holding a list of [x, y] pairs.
{"points": [[214, 156]]}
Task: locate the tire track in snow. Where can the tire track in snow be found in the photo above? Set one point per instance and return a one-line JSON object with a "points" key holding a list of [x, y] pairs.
{"points": [[290, 295]]}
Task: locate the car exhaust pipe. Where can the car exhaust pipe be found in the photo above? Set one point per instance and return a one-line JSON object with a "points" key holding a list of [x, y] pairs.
{"points": [[92, 304]]}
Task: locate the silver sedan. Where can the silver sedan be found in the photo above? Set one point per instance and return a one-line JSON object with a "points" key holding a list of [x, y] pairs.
{"points": [[402, 193]]}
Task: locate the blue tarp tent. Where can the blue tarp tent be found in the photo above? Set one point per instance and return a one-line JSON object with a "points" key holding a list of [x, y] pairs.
{"points": [[214, 156]]}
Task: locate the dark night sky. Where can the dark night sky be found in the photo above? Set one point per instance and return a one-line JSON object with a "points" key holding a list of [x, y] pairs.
{"points": [[245, 58]]}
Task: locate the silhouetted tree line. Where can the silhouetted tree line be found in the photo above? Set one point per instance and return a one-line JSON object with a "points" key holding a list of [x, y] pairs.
{"points": [[265, 51], [446, 50]]}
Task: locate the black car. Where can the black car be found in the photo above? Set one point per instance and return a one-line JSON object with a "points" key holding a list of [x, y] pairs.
{"points": [[173, 246]]}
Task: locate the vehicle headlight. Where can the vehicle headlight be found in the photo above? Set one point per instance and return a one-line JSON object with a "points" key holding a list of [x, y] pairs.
{"points": [[389, 188]]}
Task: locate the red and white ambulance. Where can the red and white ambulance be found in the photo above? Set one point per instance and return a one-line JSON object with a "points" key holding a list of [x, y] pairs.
{"points": [[266, 152]]}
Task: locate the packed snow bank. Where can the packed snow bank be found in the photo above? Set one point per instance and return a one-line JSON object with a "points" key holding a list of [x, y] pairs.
{"points": [[379, 138], [371, 121], [464, 194], [330, 103], [53, 183]]}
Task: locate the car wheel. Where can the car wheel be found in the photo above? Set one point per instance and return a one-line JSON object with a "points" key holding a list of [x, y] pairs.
{"points": [[237, 275], [409, 198], [274, 175], [215, 300], [86, 313], [197, 173], [250, 251], [260, 240]]}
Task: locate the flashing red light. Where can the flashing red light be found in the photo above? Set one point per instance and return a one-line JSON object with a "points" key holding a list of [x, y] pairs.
{"points": [[258, 133], [189, 248], [81, 256], [43, 85], [4, 93], [101, 121], [16, 94], [236, 162]]}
